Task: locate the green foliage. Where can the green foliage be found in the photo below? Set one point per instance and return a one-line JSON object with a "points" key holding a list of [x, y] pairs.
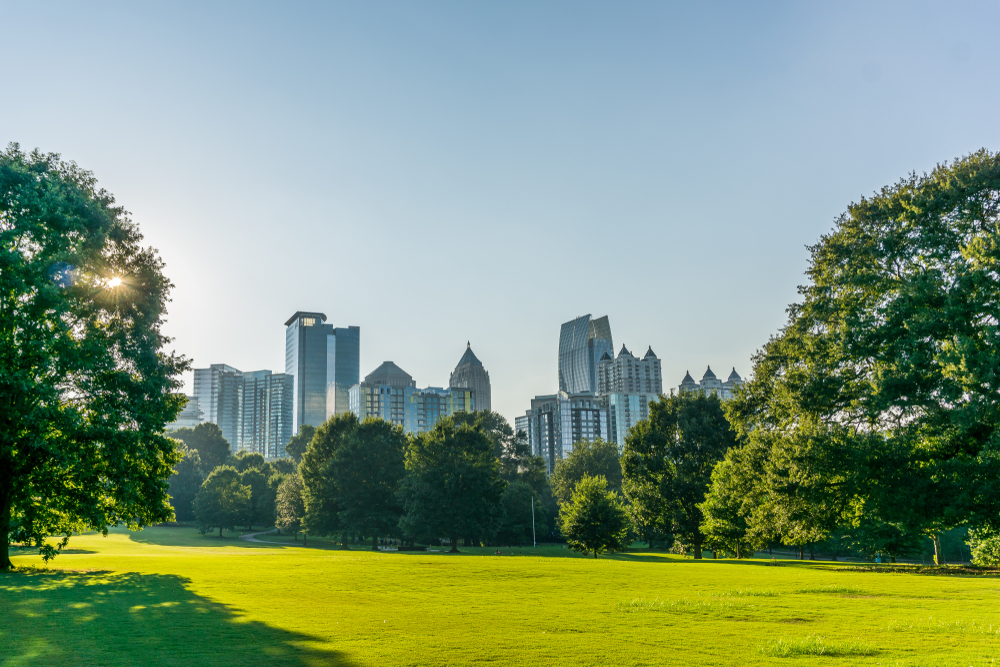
{"points": [[322, 515], [284, 466], [668, 460], [596, 458], [985, 546], [207, 439], [185, 483], [244, 461], [595, 521], [873, 538], [85, 386], [453, 487], [366, 471], [290, 506], [299, 443], [260, 509], [727, 504], [223, 500], [515, 526], [878, 400]]}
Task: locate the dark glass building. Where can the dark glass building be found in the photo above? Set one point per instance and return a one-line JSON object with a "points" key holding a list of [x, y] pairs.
{"points": [[582, 343], [324, 363]]}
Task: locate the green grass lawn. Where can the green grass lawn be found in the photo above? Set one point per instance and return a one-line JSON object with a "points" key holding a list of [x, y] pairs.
{"points": [[169, 596]]}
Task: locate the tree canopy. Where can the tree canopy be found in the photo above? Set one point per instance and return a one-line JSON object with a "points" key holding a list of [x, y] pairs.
{"points": [[185, 482], [596, 458], [86, 387], [595, 521], [453, 487], [207, 439], [223, 501], [367, 469], [880, 398], [299, 442], [668, 460], [319, 485]]}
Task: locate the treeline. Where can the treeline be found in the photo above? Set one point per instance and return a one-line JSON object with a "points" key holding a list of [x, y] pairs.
{"points": [[872, 416]]}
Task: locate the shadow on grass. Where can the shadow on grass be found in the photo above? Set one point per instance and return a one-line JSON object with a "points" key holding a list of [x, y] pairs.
{"points": [[101, 618]]}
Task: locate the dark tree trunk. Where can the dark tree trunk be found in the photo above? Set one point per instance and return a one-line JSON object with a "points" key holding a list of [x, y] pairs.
{"points": [[220, 531], [454, 545], [374, 543], [305, 539], [296, 536], [697, 545], [595, 553], [802, 553], [5, 563], [739, 551], [938, 551]]}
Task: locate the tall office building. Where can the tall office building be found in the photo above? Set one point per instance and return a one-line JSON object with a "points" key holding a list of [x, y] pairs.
{"points": [[324, 363], [390, 393], [219, 389], [582, 343], [470, 374], [266, 423]]}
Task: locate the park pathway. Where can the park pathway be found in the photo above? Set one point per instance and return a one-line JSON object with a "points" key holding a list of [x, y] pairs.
{"points": [[252, 537]]}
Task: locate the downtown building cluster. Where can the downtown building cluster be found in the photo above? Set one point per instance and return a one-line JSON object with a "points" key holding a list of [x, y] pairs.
{"points": [[601, 394], [259, 411]]}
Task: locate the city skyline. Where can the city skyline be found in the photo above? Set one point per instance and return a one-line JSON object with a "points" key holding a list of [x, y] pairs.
{"points": [[663, 164]]}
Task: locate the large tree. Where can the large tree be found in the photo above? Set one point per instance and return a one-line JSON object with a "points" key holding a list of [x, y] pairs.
{"points": [[453, 487], [668, 460], [85, 384], [290, 507], [595, 520], [880, 398], [223, 501], [185, 482], [207, 439], [299, 442], [367, 469], [596, 458], [319, 485]]}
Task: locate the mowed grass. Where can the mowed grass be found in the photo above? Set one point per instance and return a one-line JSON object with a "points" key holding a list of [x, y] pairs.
{"points": [[169, 596]]}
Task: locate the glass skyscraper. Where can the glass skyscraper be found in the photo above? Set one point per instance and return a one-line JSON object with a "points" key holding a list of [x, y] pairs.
{"points": [[266, 425], [582, 343], [324, 363]]}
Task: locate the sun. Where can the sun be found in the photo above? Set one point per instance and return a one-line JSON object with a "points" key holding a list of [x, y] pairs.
{"points": [[114, 282]]}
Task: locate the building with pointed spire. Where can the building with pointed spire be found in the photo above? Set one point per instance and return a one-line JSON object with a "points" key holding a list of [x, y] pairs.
{"points": [[626, 385], [710, 384], [390, 393], [470, 374]]}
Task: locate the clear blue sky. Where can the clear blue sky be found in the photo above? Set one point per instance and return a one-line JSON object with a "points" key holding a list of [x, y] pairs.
{"points": [[442, 172]]}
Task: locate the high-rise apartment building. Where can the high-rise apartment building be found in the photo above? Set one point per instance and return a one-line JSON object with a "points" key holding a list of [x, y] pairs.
{"points": [[390, 393], [712, 385], [582, 343], [266, 423], [470, 374], [627, 385], [189, 417], [324, 363], [219, 389], [556, 422]]}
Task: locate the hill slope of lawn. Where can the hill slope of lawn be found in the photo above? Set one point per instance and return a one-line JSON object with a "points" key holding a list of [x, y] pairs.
{"points": [[170, 596]]}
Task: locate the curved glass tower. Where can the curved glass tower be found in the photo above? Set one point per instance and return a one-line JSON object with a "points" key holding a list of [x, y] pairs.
{"points": [[582, 343]]}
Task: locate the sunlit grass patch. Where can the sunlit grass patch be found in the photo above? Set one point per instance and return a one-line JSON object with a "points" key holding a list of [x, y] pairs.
{"points": [[685, 606], [949, 627], [833, 589], [747, 592], [814, 645]]}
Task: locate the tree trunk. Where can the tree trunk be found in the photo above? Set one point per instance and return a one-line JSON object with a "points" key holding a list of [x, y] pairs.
{"points": [[595, 553], [802, 554], [305, 539], [892, 559], [454, 545], [697, 545], [220, 531], [5, 563], [739, 551], [374, 543], [938, 551]]}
